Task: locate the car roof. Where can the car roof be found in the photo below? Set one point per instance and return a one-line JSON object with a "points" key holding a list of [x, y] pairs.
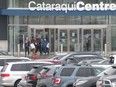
{"points": [[23, 62], [12, 57]]}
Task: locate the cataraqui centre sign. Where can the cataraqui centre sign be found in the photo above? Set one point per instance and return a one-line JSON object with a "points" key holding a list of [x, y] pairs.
{"points": [[75, 6]]}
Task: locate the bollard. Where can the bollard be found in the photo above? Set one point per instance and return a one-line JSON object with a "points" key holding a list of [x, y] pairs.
{"points": [[105, 50], [61, 48], [18, 46]]}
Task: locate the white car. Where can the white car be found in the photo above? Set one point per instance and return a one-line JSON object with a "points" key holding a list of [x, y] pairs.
{"points": [[4, 59], [110, 71], [12, 72]]}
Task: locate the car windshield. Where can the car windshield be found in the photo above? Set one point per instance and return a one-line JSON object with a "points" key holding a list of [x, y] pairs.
{"points": [[2, 52], [55, 56], [108, 71]]}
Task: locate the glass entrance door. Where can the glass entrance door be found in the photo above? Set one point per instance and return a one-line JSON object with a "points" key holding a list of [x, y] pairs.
{"points": [[87, 40], [93, 39], [73, 40], [68, 40], [63, 40]]}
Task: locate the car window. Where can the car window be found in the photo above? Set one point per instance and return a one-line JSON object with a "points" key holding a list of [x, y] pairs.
{"points": [[109, 71], [98, 70], [19, 67], [52, 70], [35, 70], [84, 72], [67, 71], [4, 68], [30, 65]]}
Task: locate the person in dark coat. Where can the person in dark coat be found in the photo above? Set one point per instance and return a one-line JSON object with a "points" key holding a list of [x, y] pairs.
{"points": [[44, 46], [38, 45], [27, 44]]}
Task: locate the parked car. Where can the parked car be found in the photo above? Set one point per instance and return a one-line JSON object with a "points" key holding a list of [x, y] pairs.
{"points": [[78, 55], [92, 61], [12, 72], [95, 80], [109, 81], [43, 77], [3, 52], [86, 82], [110, 71], [66, 75], [4, 59]]}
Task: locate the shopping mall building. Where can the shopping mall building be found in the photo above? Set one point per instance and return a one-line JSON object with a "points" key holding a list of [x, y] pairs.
{"points": [[73, 30]]}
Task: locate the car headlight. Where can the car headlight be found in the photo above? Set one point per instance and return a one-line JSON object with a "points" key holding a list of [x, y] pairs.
{"points": [[79, 82]]}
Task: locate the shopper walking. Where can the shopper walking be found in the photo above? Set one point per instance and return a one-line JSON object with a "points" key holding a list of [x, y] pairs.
{"points": [[32, 47], [27, 44], [38, 45], [44, 46]]}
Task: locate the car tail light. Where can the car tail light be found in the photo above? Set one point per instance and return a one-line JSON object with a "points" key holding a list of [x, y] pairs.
{"points": [[34, 77], [57, 80], [101, 84], [5, 75], [26, 77]]}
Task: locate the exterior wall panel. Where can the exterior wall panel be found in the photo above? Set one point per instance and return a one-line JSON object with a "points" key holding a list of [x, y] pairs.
{"points": [[3, 27], [3, 4]]}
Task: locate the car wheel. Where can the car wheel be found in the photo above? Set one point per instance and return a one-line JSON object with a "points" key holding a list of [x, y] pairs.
{"points": [[16, 83], [71, 85]]}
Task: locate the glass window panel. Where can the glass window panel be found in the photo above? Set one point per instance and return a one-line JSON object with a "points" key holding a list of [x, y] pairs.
{"points": [[86, 19], [60, 20], [113, 19], [101, 19], [35, 19], [113, 38]]}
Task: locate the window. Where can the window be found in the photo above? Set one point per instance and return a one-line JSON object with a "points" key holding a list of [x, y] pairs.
{"points": [[4, 68], [84, 72], [98, 70], [36, 70], [19, 67], [67, 71], [2, 62]]}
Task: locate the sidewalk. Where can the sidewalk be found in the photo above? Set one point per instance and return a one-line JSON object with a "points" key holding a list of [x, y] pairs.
{"points": [[22, 54]]}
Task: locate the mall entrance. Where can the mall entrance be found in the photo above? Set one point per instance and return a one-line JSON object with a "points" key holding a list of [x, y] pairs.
{"points": [[70, 38]]}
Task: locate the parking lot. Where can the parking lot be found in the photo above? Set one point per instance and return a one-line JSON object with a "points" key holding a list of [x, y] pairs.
{"points": [[71, 69]]}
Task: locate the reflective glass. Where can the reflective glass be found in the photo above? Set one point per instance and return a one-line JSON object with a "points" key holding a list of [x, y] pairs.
{"points": [[63, 40], [73, 40], [97, 40], [113, 38]]}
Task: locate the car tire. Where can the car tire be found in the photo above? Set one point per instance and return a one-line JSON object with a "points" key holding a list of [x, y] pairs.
{"points": [[15, 85], [71, 85]]}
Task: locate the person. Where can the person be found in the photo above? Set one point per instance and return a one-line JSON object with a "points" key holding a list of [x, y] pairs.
{"points": [[33, 48], [44, 45], [111, 59], [47, 48], [27, 44], [38, 45]]}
